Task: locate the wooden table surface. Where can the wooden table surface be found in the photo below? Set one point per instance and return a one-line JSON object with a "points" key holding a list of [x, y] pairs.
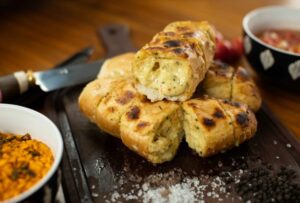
{"points": [[38, 34]]}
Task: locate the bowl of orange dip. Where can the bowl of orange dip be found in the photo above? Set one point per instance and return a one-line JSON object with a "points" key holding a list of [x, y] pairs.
{"points": [[31, 149], [272, 44]]}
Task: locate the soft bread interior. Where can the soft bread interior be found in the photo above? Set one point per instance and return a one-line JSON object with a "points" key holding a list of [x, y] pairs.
{"points": [[168, 77], [154, 132], [193, 133], [166, 139], [208, 130], [218, 81]]}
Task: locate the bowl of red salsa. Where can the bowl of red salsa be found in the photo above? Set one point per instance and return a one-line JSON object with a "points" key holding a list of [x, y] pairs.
{"points": [[272, 44]]}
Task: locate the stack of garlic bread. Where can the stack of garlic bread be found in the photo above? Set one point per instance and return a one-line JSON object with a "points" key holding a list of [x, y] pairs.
{"points": [[145, 98]]}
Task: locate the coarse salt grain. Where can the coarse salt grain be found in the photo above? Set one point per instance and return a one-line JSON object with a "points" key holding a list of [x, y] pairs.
{"points": [[95, 194]]}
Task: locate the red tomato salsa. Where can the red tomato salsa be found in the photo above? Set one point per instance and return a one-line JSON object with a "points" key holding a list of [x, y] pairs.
{"points": [[285, 39]]}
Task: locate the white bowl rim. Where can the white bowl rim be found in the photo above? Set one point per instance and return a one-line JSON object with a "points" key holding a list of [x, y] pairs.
{"points": [[57, 160], [253, 13]]}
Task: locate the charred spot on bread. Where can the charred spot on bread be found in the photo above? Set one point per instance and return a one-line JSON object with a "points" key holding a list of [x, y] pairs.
{"points": [[209, 122], [155, 66], [178, 51], [218, 113], [125, 98], [183, 28], [145, 100], [242, 119], [153, 48], [232, 103], [142, 124], [111, 109], [188, 34], [134, 113], [172, 43], [236, 104], [169, 34], [193, 105]]}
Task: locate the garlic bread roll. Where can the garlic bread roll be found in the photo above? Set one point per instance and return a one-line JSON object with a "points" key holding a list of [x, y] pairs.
{"points": [[118, 66], [114, 104], [153, 130], [224, 82], [212, 125], [218, 80], [244, 89], [93, 93], [208, 129], [175, 61], [201, 31], [242, 118]]}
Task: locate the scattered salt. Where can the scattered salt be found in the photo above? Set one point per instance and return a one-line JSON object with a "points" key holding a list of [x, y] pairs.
{"points": [[288, 145], [95, 194]]}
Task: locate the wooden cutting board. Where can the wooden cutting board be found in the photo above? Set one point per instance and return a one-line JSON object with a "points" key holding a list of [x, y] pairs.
{"points": [[99, 168]]}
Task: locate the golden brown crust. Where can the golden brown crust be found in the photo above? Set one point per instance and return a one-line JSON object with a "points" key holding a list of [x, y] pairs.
{"points": [[244, 89], [118, 66], [153, 130], [212, 125], [224, 82], [243, 120], [173, 63], [114, 105], [93, 93], [208, 129], [217, 82]]}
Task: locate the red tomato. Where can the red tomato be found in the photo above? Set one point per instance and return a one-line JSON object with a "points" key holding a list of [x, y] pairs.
{"points": [[228, 51], [237, 46]]}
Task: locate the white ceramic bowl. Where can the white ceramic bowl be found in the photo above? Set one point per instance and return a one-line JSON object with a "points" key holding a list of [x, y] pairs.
{"points": [[20, 120]]}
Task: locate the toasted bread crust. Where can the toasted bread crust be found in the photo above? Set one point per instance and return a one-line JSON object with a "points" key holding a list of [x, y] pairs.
{"points": [[93, 93], [153, 130], [212, 126], [118, 66], [174, 62], [224, 82], [114, 105]]}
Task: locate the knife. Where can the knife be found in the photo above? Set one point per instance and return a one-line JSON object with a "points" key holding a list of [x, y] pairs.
{"points": [[17, 83], [30, 98]]}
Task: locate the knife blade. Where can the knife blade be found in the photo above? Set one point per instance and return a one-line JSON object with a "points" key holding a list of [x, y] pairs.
{"points": [[67, 76], [32, 97], [17, 83]]}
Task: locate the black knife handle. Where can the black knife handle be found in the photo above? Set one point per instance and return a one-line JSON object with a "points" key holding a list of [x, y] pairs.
{"points": [[11, 86], [116, 39]]}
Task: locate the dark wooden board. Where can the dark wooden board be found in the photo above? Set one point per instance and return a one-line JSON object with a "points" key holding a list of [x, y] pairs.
{"points": [[99, 168]]}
